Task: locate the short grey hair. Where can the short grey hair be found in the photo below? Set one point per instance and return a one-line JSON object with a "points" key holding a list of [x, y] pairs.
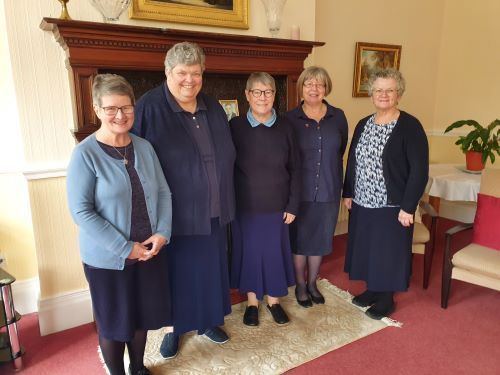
{"points": [[387, 74], [110, 84], [185, 53], [314, 72], [261, 77]]}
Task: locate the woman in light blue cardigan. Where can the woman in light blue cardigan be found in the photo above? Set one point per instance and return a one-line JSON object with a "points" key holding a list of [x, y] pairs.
{"points": [[119, 198]]}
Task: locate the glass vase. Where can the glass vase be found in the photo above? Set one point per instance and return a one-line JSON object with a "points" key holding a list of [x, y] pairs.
{"points": [[274, 10], [110, 9]]}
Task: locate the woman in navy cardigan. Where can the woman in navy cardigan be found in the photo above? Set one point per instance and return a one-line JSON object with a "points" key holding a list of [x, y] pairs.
{"points": [[190, 133], [387, 171]]}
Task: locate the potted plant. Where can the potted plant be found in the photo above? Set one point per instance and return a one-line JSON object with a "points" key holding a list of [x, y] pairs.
{"points": [[479, 144]]}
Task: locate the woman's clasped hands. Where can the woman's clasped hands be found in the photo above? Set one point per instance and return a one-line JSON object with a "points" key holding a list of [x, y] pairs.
{"points": [[148, 248]]}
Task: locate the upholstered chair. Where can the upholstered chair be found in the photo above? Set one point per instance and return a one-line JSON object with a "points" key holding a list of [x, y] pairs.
{"points": [[479, 262]]}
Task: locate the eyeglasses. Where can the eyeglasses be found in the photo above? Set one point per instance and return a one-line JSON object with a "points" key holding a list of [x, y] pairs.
{"points": [[112, 111], [258, 93], [310, 85], [379, 92]]}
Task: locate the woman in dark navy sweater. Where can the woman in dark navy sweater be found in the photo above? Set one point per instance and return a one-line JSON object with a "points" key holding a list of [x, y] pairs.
{"points": [[267, 198], [387, 171]]}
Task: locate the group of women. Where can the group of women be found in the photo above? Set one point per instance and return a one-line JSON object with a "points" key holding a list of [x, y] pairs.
{"points": [[154, 189]]}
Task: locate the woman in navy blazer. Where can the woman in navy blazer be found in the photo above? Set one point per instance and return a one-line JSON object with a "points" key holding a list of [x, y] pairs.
{"points": [[190, 133]]}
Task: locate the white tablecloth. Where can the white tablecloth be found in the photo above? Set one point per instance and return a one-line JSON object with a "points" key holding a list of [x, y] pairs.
{"points": [[450, 182]]}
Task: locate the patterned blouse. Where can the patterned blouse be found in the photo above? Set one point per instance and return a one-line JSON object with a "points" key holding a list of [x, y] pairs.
{"points": [[369, 188]]}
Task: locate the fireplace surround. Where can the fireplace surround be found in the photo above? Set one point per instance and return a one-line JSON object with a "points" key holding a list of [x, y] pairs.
{"points": [[138, 52]]}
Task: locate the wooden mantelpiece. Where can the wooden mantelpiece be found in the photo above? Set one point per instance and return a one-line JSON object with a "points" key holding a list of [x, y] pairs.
{"points": [[93, 47]]}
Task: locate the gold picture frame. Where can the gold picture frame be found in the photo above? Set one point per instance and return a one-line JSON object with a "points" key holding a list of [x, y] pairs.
{"points": [[370, 57], [230, 106], [214, 13]]}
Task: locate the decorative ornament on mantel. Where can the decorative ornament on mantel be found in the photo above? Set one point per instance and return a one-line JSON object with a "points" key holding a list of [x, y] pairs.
{"points": [[110, 9], [64, 10], [274, 10]]}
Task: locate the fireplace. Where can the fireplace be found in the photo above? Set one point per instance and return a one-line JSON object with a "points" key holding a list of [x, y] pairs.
{"points": [[137, 53]]}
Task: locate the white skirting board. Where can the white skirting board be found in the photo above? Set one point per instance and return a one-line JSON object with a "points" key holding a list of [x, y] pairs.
{"points": [[65, 311], [25, 295]]}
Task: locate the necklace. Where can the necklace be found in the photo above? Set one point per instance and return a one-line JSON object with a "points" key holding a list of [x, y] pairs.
{"points": [[124, 155]]}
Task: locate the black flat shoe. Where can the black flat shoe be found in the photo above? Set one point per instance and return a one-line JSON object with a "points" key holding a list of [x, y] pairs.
{"points": [[304, 303], [279, 315], [169, 346], [365, 299], [376, 312], [215, 334], [142, 371], [318, 300], [251, 316]]}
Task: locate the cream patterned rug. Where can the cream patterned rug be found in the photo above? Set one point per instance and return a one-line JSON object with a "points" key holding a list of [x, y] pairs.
{"points": [[269, 348]]}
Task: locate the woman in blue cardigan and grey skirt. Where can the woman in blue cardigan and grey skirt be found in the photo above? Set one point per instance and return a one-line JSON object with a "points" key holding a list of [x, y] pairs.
{"points": [[387, 171], [120, 200]]}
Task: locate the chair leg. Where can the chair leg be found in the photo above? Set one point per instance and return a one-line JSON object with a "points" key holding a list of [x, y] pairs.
{"points": [[446, 277], [445, 288], [429, 254]]}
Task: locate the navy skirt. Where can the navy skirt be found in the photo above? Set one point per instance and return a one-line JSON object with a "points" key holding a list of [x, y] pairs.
{"points": [[261, 258], [312, 231], [378, 249], [135, 298], [200, 280]]}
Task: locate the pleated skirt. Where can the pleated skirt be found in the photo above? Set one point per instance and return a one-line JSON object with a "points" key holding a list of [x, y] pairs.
{"points": [[135, 298], [312, 231], [261, 259], [199, 277], [378, 249]]}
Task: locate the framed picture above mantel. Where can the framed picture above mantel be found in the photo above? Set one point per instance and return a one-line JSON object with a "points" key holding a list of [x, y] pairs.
{"points": [[370, 57], [222, 13]]}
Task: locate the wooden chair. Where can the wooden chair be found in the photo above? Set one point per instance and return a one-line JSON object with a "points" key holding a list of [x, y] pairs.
{"points": [[475, 264]]}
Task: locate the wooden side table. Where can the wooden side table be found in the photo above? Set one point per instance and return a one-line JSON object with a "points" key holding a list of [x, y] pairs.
{"points": [[10, 348]]}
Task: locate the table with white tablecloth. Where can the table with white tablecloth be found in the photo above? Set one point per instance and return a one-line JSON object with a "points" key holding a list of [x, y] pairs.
{"points": [[453, 183]]}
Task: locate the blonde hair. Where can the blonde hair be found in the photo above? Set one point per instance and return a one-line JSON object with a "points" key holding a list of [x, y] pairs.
{"points": [[314, 72]]}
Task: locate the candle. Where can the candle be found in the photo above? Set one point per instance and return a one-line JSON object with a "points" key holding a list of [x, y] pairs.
{"points": [[295, 34]]}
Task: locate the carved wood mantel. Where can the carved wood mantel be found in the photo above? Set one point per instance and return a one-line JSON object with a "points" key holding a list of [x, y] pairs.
{"points": [[92, 47]]}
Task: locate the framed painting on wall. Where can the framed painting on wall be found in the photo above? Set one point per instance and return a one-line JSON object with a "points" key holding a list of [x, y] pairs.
{"points": [[369, 58], [224, 13], [230, 107]]}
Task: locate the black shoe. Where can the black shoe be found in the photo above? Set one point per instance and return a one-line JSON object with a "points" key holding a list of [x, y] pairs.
{"points": [[169, 346], [142, 371], [365, 299], [251, 317], [318, 299], [279, 315], [304, 303], [378, 311], [216, 334]]}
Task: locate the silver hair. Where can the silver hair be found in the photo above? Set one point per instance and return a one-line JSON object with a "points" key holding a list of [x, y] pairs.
{"points": [[185, 53], [387, 74], [110, 84], [261, 77]]}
